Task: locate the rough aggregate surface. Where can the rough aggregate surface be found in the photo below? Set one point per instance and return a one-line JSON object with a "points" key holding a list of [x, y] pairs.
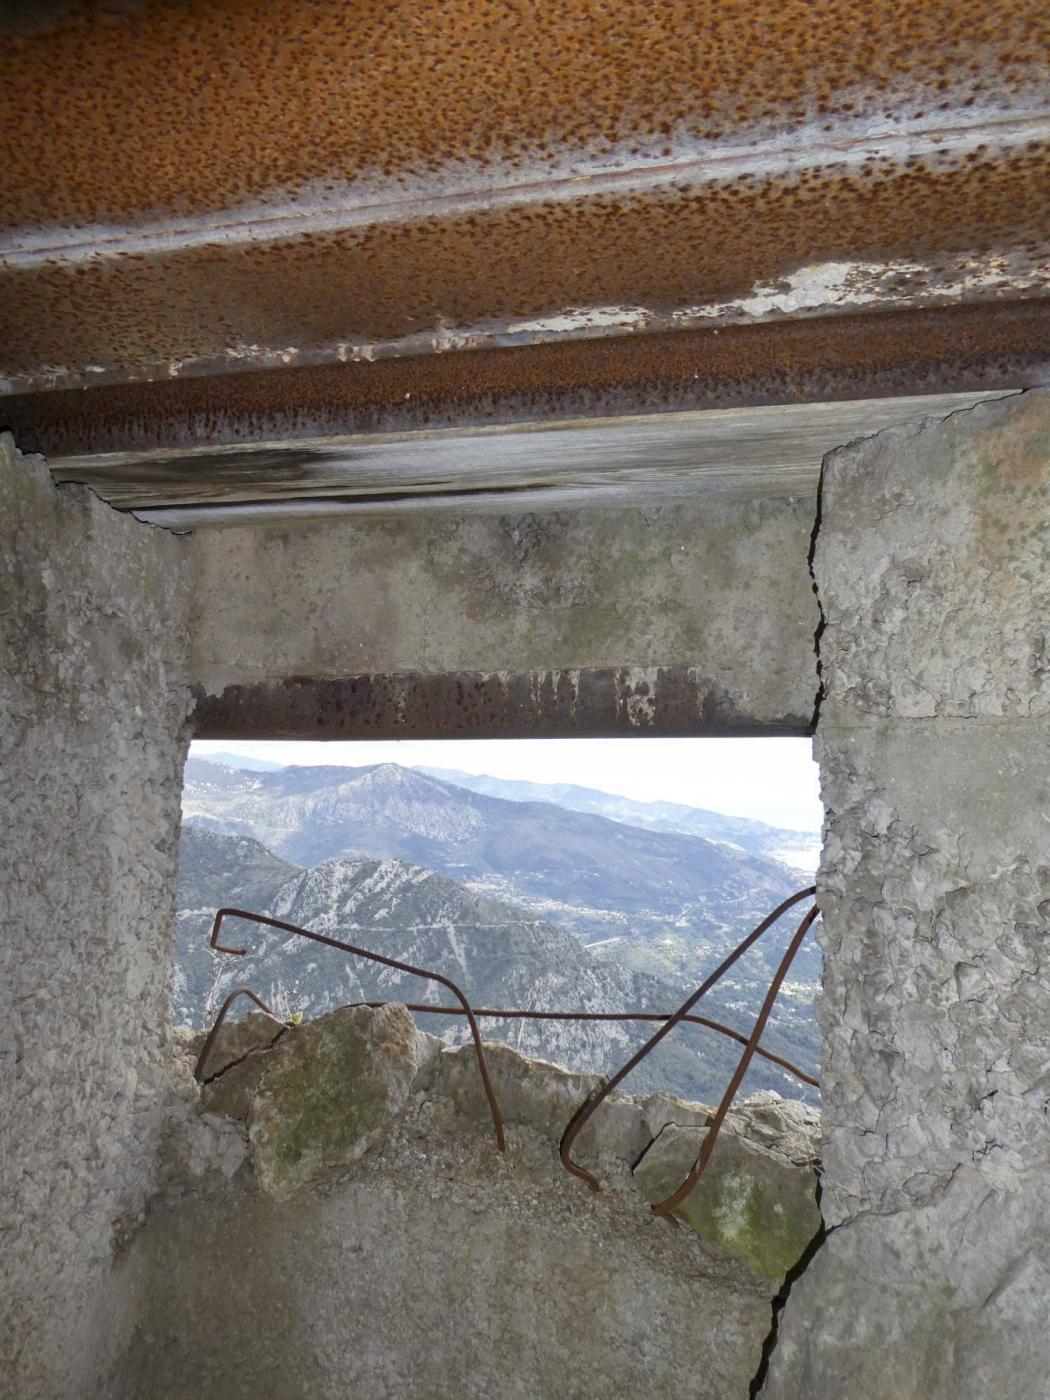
{"points": [[93, 704]]}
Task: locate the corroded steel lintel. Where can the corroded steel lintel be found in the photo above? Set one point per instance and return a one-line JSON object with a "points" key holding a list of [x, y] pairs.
{"points": [[595, 703], [999, 346]]}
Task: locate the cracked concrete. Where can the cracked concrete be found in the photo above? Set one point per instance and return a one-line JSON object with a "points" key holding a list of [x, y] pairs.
{"points": [[934, 746], [931, 564]]}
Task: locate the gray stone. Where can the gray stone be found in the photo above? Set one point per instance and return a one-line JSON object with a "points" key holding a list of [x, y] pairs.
{"points": [[236, 1040], [785, 1126], [330, 1091], [753, 1203], [544, 1098], [232, 1091], [661, 1109]]}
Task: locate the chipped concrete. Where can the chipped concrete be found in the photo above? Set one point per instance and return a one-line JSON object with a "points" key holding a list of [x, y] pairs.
{"points": [[934, 746], [392, 1250], [934, 568]]}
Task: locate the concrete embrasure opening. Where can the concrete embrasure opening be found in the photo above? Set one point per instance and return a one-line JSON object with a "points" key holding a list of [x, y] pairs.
{"points": [[329, 1108]]}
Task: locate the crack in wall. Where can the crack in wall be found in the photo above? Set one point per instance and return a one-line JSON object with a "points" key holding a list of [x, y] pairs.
{"points": [[780, 1301], [818, 631]]}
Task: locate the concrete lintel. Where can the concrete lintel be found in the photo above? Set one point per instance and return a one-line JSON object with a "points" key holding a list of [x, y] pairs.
{"points": [[686, 617]]}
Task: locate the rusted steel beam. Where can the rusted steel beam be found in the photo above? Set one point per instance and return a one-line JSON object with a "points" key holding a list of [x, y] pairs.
{"points": [[943, 350], [597, 702]]}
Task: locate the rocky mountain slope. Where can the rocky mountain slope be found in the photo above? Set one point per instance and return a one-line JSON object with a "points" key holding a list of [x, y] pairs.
{"points": [[665, 903], [798, 849], [499, 954]]}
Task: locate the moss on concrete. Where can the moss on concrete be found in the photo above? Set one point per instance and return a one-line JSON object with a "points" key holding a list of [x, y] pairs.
{"points": [[751, 1203], [336, 1086]]}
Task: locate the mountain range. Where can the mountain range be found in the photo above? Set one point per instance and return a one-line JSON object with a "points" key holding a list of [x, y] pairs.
{"points": [[797, 849], [496, 953], [661, 907]]}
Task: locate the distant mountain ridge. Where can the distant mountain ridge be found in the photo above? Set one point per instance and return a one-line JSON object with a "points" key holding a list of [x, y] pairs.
{"points": [[755, 837], [240, 760], [497, 953]]}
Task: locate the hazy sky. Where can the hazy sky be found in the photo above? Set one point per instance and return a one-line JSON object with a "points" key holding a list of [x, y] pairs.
{"points": [[774, 780]]}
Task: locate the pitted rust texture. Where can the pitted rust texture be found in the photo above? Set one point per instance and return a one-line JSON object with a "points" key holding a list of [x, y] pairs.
{"points": [[598, 703], [834, 358], [971, 227], [143, 106]]}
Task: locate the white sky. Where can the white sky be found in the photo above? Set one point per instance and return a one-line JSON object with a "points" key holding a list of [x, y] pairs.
{"points": [[772, 780]]}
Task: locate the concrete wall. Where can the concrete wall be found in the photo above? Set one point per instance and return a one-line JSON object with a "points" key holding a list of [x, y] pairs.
{"points": [[933, 568], [686, 618], [382, 1246], [93, 610]]}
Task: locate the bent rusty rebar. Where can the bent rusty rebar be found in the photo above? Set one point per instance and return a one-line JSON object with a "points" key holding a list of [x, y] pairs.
{"points": [[711, 1137], [482, 1011], [220, 914], [202, 1058], [590, 1104]]}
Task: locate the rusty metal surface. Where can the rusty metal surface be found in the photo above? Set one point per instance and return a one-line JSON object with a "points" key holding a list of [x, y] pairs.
{"points": [[832, 359], [938, 234], [219, 184], [590, 1105], [590, 703], [115, 109], [220, 914]]}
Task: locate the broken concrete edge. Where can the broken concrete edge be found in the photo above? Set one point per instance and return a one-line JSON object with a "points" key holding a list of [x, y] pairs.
{"points": [[307, 1102]]}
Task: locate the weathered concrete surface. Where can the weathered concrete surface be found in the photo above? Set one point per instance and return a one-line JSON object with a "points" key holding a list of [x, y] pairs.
{"points": [[709, 603], [935, 890], [93, 707], [933, 561], [775, 450], [400, 1254]]}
